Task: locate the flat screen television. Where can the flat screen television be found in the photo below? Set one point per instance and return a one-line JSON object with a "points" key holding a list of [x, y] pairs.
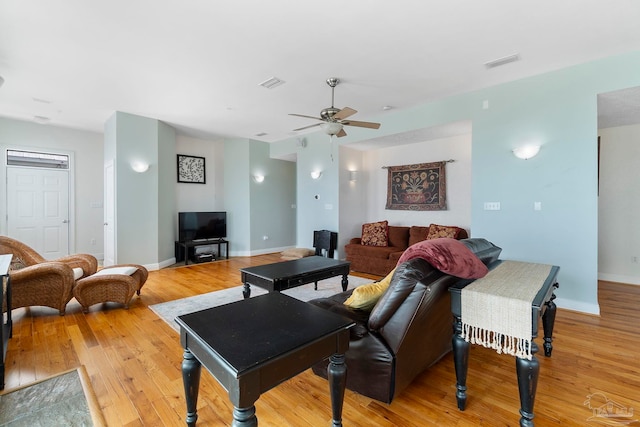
{"points": [[201, 225]]}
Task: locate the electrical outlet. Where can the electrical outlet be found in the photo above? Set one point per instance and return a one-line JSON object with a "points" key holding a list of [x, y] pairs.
{"points": [[491, 206]]}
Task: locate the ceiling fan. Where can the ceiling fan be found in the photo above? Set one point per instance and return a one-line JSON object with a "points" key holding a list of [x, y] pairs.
{"points": [[333, 119]]}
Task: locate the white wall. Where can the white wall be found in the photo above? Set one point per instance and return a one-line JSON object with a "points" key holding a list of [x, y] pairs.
{"points": [[458, 183], [619, 205], [88, 186], [201, 197]]}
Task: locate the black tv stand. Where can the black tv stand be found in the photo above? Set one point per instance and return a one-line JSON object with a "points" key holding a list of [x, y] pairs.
{"points": [[184, 250]]}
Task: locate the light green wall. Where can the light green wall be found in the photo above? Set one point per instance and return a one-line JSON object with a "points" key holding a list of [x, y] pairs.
{"points": [[167, 177], [272, 214], [257, 209], [559, 110], [236, 190], [144, 226], [318, 200]]}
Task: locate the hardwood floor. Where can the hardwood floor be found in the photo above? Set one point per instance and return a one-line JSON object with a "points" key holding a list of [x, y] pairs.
{"points": [[133, 359]]}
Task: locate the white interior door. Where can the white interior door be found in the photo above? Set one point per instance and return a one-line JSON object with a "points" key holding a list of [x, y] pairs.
{"points": [[109, 215], [38, 209]]}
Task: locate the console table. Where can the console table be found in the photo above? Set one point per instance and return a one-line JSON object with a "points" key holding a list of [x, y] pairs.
{"points": [[252, 345], [5, 301], [541, 287], [182, 248]]}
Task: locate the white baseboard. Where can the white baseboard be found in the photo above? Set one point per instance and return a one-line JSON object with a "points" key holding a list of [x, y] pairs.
{"points": [[580, 306], [159, 265], [618, 278], [260, 251]]}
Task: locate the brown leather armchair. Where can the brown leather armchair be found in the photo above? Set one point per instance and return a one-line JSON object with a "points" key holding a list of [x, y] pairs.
{"points": [[38, 282], [408, 330]]}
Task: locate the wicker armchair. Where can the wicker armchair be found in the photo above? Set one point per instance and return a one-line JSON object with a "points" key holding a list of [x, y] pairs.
{"points": [[48, 284], [38, 282], [25, 256], [110, 285]]}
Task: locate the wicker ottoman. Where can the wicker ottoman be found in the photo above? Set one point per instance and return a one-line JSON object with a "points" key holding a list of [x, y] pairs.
{"points": [[117, 284]]}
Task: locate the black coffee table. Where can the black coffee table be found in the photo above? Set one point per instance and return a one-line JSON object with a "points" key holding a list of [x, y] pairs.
{"points": [[284, 275], [252, 345]]}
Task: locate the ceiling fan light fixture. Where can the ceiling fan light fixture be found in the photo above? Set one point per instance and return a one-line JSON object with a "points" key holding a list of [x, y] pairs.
{"points": [[331, 128]]}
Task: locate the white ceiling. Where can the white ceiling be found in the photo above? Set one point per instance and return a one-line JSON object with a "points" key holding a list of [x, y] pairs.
{"points": [[197, 64]]}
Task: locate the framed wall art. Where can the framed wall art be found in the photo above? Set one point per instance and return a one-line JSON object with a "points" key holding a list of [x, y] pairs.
{"points": [[191, 169], [419, 187]]}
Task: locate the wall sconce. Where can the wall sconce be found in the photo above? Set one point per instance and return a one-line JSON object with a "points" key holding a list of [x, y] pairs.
{"points": [[316, 174], [526, 152], [140, 166], [258, 178], [353, 176]]}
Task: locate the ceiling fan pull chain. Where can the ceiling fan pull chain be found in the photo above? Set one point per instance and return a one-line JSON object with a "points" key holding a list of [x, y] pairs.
{"points": [[331, 146]]}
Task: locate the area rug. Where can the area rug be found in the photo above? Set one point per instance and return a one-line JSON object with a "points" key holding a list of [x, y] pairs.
{"points": [[168, 311], [66, 399]]}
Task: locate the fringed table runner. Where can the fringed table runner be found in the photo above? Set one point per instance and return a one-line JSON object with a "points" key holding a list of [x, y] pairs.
{"points": [[496, 309]]}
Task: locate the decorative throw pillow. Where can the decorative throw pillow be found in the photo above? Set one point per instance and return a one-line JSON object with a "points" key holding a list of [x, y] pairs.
{"points": [[125, 270], [364, 297], [448, 255], [296, 253], [437, 231], [375, 233]]}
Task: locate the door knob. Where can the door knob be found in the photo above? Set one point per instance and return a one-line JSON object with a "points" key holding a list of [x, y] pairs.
{"points": [[65, 221], [106, 223]]}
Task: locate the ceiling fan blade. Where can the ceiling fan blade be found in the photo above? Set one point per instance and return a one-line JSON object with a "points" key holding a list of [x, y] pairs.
{"points": [[341, 133], [307, 117], [344, 113], [307, 127], [369, 125]]}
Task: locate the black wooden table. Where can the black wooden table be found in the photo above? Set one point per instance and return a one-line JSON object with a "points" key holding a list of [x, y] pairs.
{"points": [[183, 248], [252, 345], [527, 370], [284, 275], [5, 299]]}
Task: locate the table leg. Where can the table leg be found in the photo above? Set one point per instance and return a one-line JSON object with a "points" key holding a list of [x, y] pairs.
{"points": [[345, 282], [244, 417], [191, 368], [527, 371], [246, 291], [461, 363], [548, 320], [337, 375], [9, 308]]}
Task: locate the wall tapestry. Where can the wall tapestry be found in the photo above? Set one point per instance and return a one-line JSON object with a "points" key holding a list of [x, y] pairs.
{"points": [[419, 187], [191, 169]]}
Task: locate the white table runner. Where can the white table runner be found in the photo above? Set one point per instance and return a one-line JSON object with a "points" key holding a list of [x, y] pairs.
{"points": [[496, 309]]}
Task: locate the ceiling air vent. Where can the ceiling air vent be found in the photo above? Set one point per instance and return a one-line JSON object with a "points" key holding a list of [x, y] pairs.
{"points": [[502, 61], [272, 82]]}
